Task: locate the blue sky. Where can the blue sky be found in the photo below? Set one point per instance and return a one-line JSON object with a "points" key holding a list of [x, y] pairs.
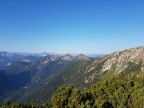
{"points": [[71, 26]]}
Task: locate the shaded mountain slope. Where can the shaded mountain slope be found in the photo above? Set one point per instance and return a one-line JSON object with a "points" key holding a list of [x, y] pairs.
{"points": [[70, 74], [37, 71]]}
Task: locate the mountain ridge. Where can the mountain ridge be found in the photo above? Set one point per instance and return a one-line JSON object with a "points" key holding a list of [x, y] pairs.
{"points": [[38, 70], [96, 70], [80, 70]]}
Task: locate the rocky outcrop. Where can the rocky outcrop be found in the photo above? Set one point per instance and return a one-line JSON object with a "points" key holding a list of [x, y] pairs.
{"points": [[130, 60]]}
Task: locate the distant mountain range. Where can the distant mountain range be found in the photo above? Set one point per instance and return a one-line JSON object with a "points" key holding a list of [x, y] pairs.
{"points": [[37, 78], [6, 57], [27, 72]]}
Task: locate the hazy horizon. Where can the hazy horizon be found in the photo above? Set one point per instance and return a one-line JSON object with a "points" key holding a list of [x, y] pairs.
{"points": [[71, 26], [73, 54]]}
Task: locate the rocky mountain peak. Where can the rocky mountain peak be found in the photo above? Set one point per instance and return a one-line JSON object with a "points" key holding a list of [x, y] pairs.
{"points": [[43, 54], [67, 57], [122, 60], [83, 57], [54, 57], [130, 60]]}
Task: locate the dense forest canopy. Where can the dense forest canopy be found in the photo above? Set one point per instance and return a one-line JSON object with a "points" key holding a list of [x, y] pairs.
{"points": [[118, 91]]}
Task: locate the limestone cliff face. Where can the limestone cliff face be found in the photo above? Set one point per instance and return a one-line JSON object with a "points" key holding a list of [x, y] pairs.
{"points": [[122, 59], [130, 60]]}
